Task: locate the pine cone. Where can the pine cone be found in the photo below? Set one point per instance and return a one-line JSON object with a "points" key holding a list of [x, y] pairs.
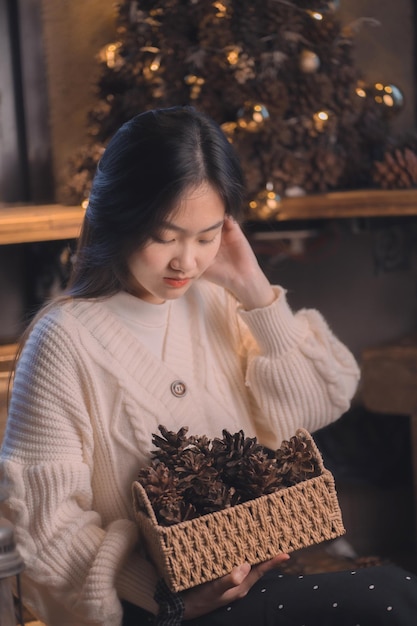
{"points": [[157, 478], [161, 487], [194, 466], [210, 496], [397, 170], [229, 452], [257, 475], [296, 460], [80, 171], [191, 476], [324, 169], [171, 445], [173, 512]]}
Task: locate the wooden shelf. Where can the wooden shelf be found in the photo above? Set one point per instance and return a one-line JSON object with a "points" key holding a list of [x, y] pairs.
{"points": [[7, 356], [48, 222], [20, 224], [350, 204]]}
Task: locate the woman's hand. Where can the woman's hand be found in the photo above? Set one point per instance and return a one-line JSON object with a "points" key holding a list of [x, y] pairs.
{"points": [[236, 268], [234, 586]]}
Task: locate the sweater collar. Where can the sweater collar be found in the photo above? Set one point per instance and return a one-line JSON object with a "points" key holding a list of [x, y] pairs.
{"points": [[138, 311]]}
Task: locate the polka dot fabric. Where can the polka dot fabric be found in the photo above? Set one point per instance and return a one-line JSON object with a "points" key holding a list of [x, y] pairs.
{"points": [[374, 596]]}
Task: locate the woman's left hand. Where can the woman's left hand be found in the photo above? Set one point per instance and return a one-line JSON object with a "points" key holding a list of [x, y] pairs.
{"points": [[210, 596], [236, 268]]}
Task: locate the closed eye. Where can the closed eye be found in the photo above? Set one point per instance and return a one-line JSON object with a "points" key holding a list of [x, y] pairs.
{"points": [[206, 241], [160, 240]]}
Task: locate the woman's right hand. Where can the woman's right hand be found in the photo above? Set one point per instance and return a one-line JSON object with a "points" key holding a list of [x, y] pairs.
{"points": [[234, 586], [236, 269]]}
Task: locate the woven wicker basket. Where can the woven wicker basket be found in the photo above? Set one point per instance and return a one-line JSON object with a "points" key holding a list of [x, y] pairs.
{"points": [[202, 549]]}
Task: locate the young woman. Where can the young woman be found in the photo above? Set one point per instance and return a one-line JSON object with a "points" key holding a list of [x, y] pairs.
{"points": [[168, 319]]}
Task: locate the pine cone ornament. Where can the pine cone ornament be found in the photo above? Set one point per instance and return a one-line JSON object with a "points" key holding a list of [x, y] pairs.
{"points": [[397, 170], [218, 55]]}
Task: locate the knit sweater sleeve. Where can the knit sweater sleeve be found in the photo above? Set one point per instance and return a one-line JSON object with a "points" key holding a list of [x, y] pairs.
{"points": [[73, 559], [300, 374]]}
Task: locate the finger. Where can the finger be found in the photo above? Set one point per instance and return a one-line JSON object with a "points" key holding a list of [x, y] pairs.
{"points": [[255, 573], [228, 588], [262, 568], [230, 223], [211, 595], [245, 575], [233, 579]]}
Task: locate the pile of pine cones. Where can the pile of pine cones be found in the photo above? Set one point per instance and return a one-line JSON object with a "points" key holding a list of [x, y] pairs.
{"points": [[190, 476], [397, 169]]}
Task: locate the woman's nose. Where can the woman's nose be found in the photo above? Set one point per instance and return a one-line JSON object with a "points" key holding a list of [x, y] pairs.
{"points": [[184, 259]]}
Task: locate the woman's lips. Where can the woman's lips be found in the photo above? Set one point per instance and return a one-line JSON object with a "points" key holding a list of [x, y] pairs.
{"points": [[176, 282]]}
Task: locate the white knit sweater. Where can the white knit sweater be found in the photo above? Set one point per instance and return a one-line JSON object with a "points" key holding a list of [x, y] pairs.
{"points": [[87, 397]]}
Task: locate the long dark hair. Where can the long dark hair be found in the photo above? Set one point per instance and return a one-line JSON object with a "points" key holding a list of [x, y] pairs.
{"points": [[148, 165]]}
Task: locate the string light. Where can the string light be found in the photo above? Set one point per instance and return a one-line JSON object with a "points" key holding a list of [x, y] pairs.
{"points": [[233, 55], [110, 54], [229, 129], [266, 204], [252, 116], [195, 83], [221, 8], [320, 120], [360, 90], [156, 63], [315, 15], [152, 49]]}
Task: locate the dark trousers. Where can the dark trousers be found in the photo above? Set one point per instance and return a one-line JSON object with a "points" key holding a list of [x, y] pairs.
{"points": [[135, 616], [373, 596]]}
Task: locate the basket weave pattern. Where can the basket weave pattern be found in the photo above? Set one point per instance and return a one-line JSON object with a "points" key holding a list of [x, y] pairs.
{"points": [[207, 547]]}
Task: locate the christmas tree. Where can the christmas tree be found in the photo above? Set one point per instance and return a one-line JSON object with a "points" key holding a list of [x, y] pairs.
{"points": [[278, 76]]}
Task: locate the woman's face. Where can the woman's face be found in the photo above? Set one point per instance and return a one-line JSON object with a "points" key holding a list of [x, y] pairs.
{"points": [[181, 251]]}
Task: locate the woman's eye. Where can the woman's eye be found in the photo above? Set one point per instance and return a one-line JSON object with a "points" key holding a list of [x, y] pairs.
{"points": [[211, 239], [159, 239]]}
